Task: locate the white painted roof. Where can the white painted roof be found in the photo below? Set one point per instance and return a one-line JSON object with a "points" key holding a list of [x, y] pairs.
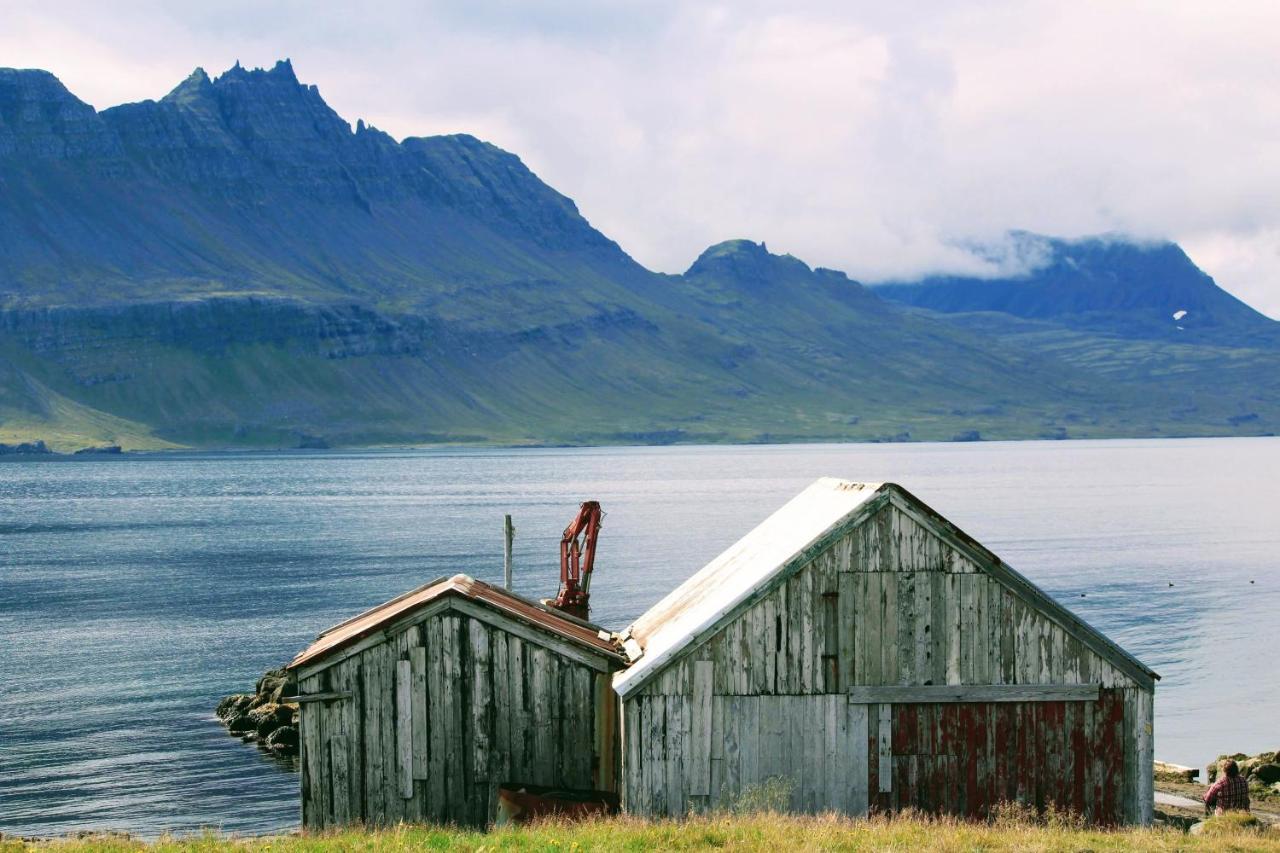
{"points": [[665, 629]]}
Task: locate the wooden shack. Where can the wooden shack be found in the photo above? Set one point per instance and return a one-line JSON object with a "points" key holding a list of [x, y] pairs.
{"points": [[857, 652], [418, 709]]}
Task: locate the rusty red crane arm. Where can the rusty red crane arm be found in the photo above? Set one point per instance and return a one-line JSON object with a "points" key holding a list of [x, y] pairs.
{"points": [[577, 559]]}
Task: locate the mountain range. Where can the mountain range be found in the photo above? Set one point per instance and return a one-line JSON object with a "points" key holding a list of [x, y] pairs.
{"points": [[235, 265]]}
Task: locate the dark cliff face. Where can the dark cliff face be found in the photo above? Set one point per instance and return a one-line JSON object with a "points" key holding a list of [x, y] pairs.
{"points": [[40, 120], [250, 183]]}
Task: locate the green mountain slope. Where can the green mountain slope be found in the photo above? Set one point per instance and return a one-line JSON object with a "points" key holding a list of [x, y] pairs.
{"points": [[236, 266]]}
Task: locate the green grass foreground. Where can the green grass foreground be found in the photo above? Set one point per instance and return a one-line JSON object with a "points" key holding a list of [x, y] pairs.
{"points": [[782, 834]]}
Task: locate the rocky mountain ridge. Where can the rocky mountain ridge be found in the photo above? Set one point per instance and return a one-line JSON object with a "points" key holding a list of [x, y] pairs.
{"points": [[236, 265]]}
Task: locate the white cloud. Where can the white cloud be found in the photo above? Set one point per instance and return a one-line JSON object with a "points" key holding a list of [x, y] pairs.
{"points": [[876, 138]]}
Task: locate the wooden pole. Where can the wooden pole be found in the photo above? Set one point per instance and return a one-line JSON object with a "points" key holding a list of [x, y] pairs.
{"points": [[507, 533]]}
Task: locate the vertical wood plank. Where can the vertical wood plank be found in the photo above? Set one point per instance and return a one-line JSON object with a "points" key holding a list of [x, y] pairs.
{"points": [[889, 653], [371, 670], [858, 760], [404, 727], [884, 752], [418, 711], [1145, 757], [907, 646], [500, 748], [873, 636], [340, 761], [955, 635], [699, 755], [433, 639], [847, 613], [922, 669]]}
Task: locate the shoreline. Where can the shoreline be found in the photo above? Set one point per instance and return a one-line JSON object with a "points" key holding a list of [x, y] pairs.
{"points": [[100, 454]]}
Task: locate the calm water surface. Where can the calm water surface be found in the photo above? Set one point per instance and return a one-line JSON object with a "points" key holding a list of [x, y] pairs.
{"points": [[135, 592]]}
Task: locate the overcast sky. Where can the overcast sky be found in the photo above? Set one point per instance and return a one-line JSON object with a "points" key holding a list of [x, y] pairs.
{"points": [[871, 137]]}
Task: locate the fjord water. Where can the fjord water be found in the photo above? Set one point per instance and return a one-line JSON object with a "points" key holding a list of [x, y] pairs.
{"points": [[135, 592]]}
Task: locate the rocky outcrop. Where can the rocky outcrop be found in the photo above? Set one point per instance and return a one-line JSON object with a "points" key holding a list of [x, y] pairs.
{"points": [[264, 717]]}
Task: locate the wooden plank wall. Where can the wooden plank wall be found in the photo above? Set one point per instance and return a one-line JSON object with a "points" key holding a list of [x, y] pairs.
{"points": [[814, 742], [891, 603], [484, 707], [964, 758]]}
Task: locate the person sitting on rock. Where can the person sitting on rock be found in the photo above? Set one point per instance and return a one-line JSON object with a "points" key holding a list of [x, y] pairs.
{"points": [[1230, 792]]}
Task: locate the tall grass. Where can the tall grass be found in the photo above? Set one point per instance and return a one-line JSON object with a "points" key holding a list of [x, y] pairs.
{"points": [[771, 832]]}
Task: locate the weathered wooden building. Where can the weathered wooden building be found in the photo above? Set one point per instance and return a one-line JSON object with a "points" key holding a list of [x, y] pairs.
{"points": [[862, 649], [418, 709]]}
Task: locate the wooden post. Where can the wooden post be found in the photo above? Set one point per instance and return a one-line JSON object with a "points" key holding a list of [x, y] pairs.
{"points": [[507, 533]]}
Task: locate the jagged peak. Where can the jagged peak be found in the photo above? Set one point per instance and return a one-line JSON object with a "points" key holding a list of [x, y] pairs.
{"points": [[283, 70], [196, 85]]}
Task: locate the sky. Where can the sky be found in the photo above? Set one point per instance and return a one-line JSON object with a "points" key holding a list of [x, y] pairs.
{"points": [[877, 138]]}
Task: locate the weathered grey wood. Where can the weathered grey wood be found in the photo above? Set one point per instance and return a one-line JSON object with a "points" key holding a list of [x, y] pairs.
{"points": [[889, 652], [508, 532], [340, 762], [480, 704], [858, 771], [436, 712], [884, 755], [404, 726], [418, 711], [1029, 593], [699, 755], [529, 634], [451, 734], [906, 618], [376, 638], [935, 693], [322, 696], [1145, 728], [310, 780], [393, 803], [955, 629], [500, 756], [372, 692]]}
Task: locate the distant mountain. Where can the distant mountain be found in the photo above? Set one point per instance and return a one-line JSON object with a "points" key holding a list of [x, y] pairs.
{"points": [[1104, 284], [235, 265]]}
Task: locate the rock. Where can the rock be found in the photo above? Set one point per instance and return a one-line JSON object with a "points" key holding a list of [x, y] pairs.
{"points": [[271, 686], [239, 723], [283, 740], [1267, 774], [261, 716], [967, 435], [104, 450], [234, 705], [271, 716]]}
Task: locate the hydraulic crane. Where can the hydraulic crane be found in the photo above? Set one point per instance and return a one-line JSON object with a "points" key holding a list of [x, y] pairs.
{"points": [[577, 558]]}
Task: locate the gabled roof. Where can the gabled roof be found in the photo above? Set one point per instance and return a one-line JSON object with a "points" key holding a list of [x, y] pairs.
{"points": [[783, 540], [790, 538], [347, 633]]}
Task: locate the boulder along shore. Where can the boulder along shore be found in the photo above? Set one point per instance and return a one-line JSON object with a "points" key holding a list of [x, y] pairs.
{"points": [[264, 717]]}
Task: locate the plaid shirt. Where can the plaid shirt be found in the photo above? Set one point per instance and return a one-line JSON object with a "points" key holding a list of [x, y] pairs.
{"points": [[1228, 794]]}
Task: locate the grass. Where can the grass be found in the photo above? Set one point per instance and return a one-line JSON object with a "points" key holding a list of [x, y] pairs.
{"points": [[773, 832]]}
